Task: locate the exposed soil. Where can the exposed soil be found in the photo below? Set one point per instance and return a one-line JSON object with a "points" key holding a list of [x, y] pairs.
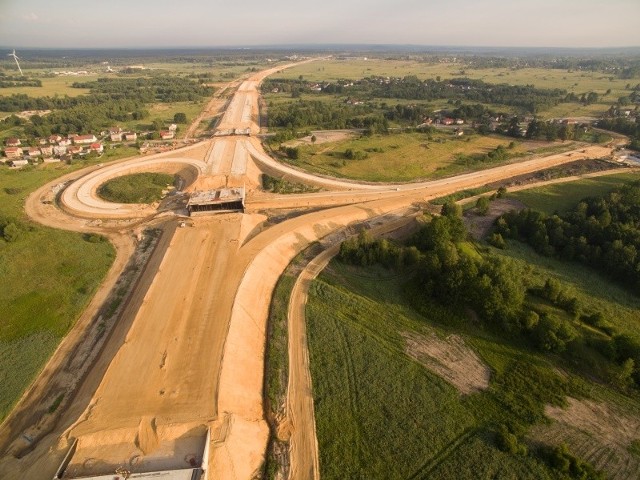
{"points": [[322, 136], [451, 359], [480, 225], [597, 433]]}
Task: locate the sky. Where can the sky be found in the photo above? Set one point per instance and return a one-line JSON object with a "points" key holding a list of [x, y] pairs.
{"points": [[216, 23]]}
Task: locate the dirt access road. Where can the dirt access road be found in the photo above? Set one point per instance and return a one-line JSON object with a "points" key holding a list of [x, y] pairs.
{"points": [[193, 357], [300, 414]]}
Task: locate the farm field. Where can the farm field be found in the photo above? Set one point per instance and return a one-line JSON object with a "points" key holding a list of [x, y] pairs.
{"points": [[51, 86], [573, 81], [382, 414], [61, 85], [411, 156]]}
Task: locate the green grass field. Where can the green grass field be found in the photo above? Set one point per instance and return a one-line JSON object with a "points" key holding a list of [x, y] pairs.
{"points": [[408, 156], [136, 188], [51, 86], [379, 414], [165, 112], [47, 277], [561, 197]]}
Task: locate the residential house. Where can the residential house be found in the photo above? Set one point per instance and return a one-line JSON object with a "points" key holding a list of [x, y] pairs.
{"points": [[74, 149], [12, 142], [84, 139], [96, 147], [173, 127], [33, 152], [60, 150], [54, 139], [166, 135], [459, 121], [46, 151], [13, 152], [51, 160], [19, 163], [130, 136], [115, 134], [64, 142], [447, 121]]}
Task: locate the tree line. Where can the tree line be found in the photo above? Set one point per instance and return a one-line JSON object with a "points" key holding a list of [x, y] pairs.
{"points": [[147, 89], [602, 232], [109, 101], [317, 114], [446, 269], [143, 90], [625, 127], [526, 97], [7, 81]]}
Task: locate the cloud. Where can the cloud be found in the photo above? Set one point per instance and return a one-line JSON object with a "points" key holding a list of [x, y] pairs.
{"points": [[32, 17]]}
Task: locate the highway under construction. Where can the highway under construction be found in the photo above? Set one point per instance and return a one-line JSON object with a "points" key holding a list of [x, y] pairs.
{"points": [[176, 391]]}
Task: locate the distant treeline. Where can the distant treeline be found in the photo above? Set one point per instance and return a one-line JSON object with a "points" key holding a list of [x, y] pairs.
{"points": [[147, 90], [143, 90], [110, 101], [7, 81], [526, 97], [614, 66], [65, 58], [324, 115]]}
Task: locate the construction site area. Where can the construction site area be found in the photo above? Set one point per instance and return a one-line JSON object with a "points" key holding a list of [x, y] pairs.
{"points": [[175, 390]]}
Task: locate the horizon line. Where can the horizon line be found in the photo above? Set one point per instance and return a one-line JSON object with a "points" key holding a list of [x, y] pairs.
{"points": [[323, 45]]}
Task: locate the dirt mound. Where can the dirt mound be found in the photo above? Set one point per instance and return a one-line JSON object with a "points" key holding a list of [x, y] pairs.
{"points": [[451, 359], [597, 433]]}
